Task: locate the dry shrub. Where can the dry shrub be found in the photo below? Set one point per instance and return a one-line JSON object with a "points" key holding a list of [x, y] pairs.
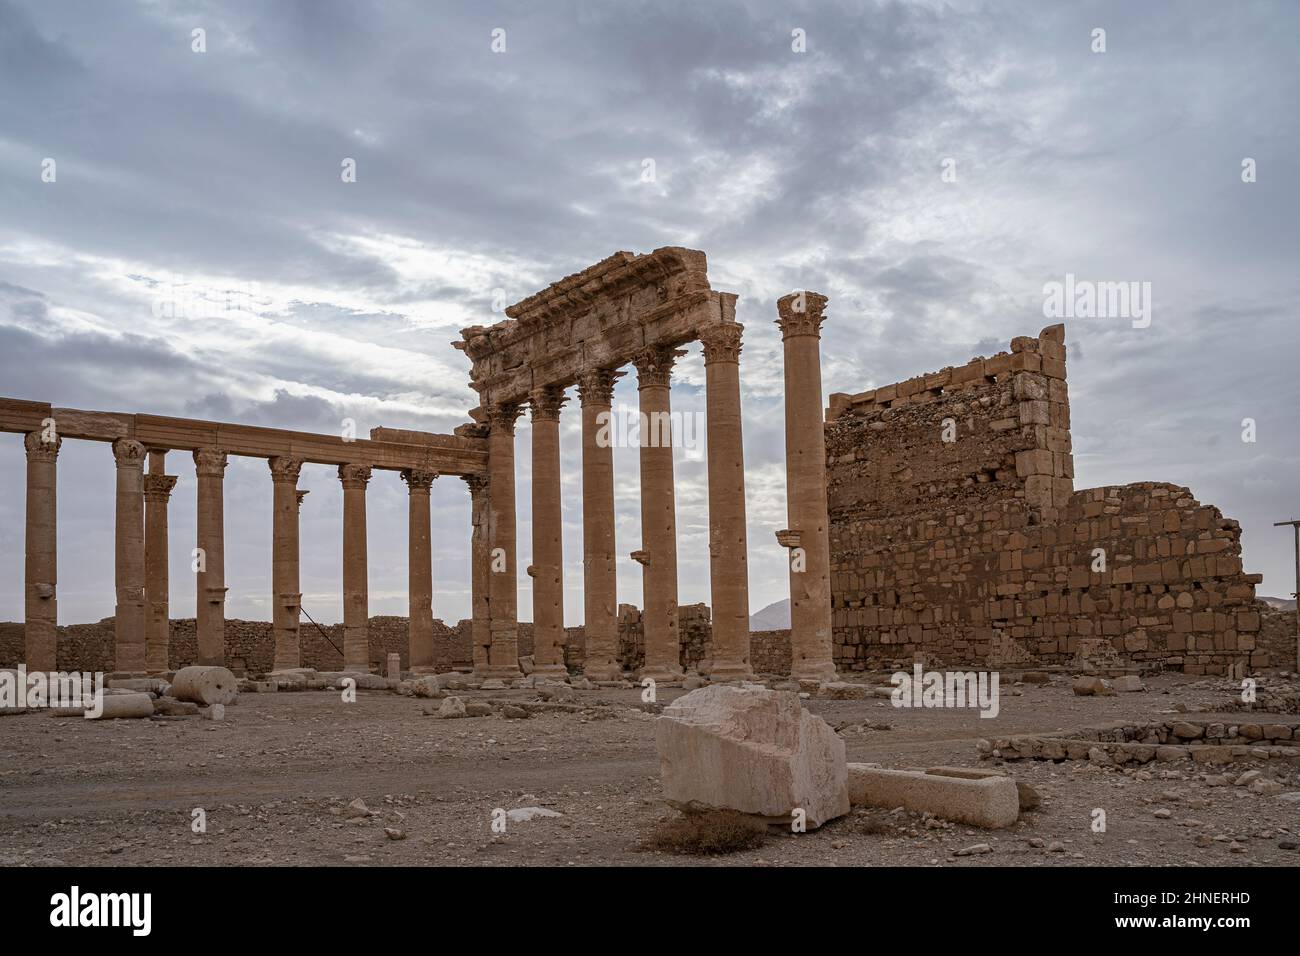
{"points": [[710, 833]]}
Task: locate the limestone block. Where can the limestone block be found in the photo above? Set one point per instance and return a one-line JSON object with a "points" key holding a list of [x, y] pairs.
{"points": [[205, 685], [125, 705], [992, 802], [754, 751]]}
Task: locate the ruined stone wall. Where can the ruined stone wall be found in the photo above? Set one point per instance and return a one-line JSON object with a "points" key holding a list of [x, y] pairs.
{"points": [[957, 536]]}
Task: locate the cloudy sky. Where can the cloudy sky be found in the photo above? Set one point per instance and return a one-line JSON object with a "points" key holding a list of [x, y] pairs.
{"points": [[183, 176]]}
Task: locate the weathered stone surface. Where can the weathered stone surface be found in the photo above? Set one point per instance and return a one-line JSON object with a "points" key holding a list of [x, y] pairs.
{"points": [[205, 685], [992, 802], [1092, 687], [754, 751]]}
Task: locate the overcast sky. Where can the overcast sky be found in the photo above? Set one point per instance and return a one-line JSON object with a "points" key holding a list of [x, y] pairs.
{"points": [[180, 173]]}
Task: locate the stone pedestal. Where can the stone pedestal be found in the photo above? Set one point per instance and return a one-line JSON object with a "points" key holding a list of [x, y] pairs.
{"points": [[728, 545], [658, 516], [503, 650], [41, 640], [157, 494], [600, 580], [547, 569], [128, 576], [419, 571], [356, 583], [801, 316], [210, 603], [286, 590]]}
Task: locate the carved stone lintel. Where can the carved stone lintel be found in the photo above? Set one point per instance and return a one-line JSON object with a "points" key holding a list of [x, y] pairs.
{"points": [[158, 487], [546, 403], [654, 365], [210, 462], [418, 481], [596, 385], [129, 453], [722, 342], [38, 449], [285, 469], [354, 476], [801, 313]]}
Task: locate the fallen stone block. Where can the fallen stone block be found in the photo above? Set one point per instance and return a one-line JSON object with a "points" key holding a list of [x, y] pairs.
{"points": [[478, 708], [171, 707], [213, 712], [991, 802], [144, 685], [1029, 797], [752, 751], [205, 685], [1128, 684], [1092, 687], [451, 708], [842, 690]]}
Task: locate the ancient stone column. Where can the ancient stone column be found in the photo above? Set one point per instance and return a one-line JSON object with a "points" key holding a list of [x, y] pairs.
{"points": [[728, 547], [547, 569], [419, 566], [503, 651], [356, 576], [210, 607], [286, 589], [41, 638], [805, 477], [157, 493], [658, 555], [128, 575], [480, 573], [599, 574]]}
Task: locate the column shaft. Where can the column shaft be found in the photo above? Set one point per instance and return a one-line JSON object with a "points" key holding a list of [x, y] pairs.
{"points": [[503, 653], [728, 546], [480, 574], [286, 587], [128, 576], [658, 516], [599, 575], [419, 571], [210, 562], [805, 469], [547, 569], [356, 583], [41, 606], [157, 493]]}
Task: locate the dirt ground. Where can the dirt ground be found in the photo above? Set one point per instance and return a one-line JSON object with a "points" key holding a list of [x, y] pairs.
{"points": [[275, 777]]}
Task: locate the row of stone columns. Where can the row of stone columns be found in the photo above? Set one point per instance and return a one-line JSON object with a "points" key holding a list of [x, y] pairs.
{"points": [[658, 553], [142, 618]]}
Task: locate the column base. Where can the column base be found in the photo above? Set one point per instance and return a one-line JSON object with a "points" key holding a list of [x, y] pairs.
{"points": [[602, 672], [501, 672], [661, 675], [558, 671], [722, 671], [813, 671]]}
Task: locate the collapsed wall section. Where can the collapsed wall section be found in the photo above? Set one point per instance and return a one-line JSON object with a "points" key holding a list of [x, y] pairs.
{"points": [[957, 536]]}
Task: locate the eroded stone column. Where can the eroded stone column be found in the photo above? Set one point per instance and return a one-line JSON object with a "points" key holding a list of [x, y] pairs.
{"points": [[41, 636], [419, 566], [356, 576], [210, 606], [599, 574], [286, 588], [157, 494], [503, 651], [805, 475], [128, 575], [728, 547], [480, 573], [547, 569], [658, 554]]}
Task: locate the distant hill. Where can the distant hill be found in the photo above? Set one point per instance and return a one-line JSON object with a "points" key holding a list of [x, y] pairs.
{"points": [[1282, 604], [774, 617]]}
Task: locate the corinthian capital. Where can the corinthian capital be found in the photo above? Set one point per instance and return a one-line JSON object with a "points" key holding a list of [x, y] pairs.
{"points": [[418, 481], [158, 487], [546, 403], [38, 449], [503, 415], [129, 453], [354, 476], [210, 462], [722, 342], [284, 469], [654, 365], [596, 385], [801, 313]]}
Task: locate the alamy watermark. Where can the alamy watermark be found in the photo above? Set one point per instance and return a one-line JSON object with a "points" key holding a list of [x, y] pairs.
{"points": [[41, 689], [947, 689], [1085, 299], [626, 427]]}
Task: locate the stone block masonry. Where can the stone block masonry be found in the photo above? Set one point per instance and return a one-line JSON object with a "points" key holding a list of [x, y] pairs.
{"points": [[957, 536]]}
